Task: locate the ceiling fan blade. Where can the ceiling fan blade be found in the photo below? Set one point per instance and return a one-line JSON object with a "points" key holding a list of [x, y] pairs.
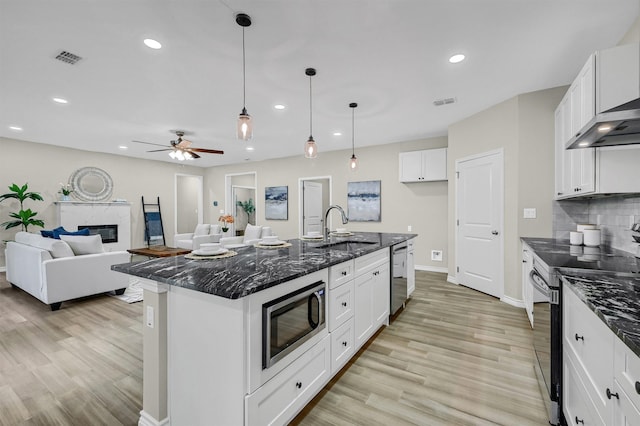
{"points": [[207, 151], [193, 154], [158, 150], [183, 144], [148, 143]]}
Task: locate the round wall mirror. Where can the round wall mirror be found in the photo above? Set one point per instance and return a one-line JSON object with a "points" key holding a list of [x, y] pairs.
{"points": [[91, 184]]}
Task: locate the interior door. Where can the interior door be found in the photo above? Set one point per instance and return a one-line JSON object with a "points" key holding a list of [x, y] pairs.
{"points": [[480, 196], [312, 207]]}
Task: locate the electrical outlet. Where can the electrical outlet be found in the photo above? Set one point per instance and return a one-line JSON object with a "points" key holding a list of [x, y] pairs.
{"points": [[436, 255], [409, 228], [529, 213], [150, 316]]}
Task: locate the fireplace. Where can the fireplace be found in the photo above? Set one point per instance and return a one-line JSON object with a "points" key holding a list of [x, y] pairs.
{"points": [[109, 233]]}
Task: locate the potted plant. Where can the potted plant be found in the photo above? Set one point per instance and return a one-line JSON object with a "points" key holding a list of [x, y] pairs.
{"points": [[226, 219], [23, 217], [248, 207], [65, 190]]}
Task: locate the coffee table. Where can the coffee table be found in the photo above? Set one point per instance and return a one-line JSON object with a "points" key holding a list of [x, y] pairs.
{"points": [[159, 251]]}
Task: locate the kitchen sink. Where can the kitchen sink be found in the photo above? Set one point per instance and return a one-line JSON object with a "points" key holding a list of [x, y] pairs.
{"points": [[346, 245]]}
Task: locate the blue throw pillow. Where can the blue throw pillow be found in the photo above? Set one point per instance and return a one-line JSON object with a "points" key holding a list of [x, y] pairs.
{"points": [[61, 231], [47, 234]]}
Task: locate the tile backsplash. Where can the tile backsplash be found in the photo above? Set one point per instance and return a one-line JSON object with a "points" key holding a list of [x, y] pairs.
{"points": [[614, 216]]}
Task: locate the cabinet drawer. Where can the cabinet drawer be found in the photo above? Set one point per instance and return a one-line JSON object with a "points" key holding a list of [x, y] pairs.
{"points": [[342, 346], [625, 412], [626, 371], [340, 305], [281, 398], [578, 408], [341, 273], [367, 262], [591, 342]]}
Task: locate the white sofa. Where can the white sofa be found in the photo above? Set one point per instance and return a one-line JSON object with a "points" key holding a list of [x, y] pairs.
{"points": [[204, 233], [49, 270], [252, 234]]}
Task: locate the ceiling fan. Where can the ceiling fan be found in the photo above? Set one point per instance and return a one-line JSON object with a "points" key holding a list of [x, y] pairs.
{"points": [[181, 148]]}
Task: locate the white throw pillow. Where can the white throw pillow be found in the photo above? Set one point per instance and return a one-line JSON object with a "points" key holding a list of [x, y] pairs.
{"points": [[81, 244], [201, 229], [215, 229], [252, 232], [56, 248]]}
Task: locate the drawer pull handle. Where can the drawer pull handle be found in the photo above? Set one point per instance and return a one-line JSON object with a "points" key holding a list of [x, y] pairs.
{"points": [[299, 385], [579, 337], [344, 304], [578, 421], [344, 273], [610, 394], [344, 344], [638, 387]]}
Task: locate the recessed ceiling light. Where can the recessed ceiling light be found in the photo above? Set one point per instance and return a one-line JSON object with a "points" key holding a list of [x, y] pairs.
{"points": [[16, 128], [456, 58], [337, 133], [151, 43], [60, 100], [279, 106], [249, 148], [123, 147]]}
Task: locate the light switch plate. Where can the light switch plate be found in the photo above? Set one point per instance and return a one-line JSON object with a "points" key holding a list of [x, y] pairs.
{"points": [[529, 213]]}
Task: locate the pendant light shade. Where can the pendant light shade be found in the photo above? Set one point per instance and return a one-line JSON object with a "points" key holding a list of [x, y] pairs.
{"points": [[310, 148], [244, 129], [353, 161]]}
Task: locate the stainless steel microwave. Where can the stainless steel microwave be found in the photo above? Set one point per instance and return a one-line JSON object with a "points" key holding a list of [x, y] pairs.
{"points": [[291, 320]]}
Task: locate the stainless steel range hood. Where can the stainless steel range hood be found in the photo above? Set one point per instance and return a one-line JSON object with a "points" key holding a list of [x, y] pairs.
{"points": [[617, 126]]}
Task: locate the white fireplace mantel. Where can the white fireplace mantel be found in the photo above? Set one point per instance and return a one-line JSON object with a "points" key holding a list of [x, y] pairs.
{"points": [[73, 215]]}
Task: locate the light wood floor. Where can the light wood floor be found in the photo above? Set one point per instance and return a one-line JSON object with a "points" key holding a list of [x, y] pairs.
{"points": [[453, 356]]}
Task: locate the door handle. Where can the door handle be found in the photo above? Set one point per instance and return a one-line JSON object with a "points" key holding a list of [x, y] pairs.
{"points": [[494, 232]]}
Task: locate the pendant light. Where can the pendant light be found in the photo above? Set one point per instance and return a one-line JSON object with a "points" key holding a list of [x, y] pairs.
{"points": [[310, 148], [245, 126], [353, 162]]}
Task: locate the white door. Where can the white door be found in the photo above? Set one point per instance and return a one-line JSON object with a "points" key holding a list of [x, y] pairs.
{"points": [[312, 207], [479, 195]]}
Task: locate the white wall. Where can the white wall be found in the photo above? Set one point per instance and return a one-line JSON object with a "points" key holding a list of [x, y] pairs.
{"points": [[43, 167], [422, 205]]}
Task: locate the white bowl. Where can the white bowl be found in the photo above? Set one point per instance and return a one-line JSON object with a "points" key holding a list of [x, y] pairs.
{"points": [[209, 247], [270, 239]]}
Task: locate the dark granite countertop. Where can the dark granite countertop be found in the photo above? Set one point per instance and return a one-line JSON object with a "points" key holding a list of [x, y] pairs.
{"points": [[255, 269], [615, 299], [560, 254]]}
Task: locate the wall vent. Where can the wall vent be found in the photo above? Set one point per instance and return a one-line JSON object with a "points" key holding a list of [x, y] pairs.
{"points": [[68, 57], [444, 101]]}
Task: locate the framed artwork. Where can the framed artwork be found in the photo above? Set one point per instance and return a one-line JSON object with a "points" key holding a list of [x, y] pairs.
{"points": [[276, 203], [363, 201]]}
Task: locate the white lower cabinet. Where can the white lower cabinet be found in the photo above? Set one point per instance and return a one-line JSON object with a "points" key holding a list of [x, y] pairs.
{"points": [[342, 346], [281, 398], [601, 374], [411, 269], [341, 301], [371, 295]]}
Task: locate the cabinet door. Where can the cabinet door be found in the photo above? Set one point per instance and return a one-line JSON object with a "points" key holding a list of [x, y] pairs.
{"points": [[363, 314], [624, 413], [434, 164], [583, 171], [411, 166], [527, 288], [342, 346], [577, 407], [561, 188], [340, 305], [411, 270], [587, 82], [381, 294]]}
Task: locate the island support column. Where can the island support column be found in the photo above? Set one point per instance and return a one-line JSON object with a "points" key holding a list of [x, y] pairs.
{"points": [[154, 356]]}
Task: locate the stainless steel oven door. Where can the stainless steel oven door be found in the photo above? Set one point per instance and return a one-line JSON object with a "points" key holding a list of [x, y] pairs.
{"points": [[290, 320]]}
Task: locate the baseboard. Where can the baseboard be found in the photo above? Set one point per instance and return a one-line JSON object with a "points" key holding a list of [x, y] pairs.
{"points": [[147, 420], [451, 279], [513, 302], [3, 269], [440, 269]]}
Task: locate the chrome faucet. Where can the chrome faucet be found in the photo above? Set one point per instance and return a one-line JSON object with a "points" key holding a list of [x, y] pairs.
{"points": [[345, 219]]}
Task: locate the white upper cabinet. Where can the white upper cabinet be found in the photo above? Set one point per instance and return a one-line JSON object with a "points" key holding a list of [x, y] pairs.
{"points": [[618, 76], [423, 166]]}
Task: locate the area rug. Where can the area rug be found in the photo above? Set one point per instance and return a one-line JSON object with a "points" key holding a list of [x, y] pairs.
{"points": [[132, 294]]}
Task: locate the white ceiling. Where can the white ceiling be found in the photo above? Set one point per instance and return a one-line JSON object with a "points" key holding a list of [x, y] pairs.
{"points": [[390, 56]]}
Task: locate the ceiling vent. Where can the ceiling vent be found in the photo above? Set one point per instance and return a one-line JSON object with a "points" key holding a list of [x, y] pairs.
{"points": [[444, 101], [68, 57]]}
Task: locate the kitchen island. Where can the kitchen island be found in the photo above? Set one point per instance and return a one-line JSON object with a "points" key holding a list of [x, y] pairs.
{"points": [[204, 351]]}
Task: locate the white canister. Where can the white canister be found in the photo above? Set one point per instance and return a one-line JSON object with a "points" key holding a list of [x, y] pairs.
{"points": [[576, 238], [591, 237], [582, 226]]}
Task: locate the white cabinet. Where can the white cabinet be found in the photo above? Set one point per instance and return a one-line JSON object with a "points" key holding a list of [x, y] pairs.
{"points": [[617, 76], [601, 374], [342, 345], [371, 294], [341, 300], [423, 166], [527, 288], [411, 268]]}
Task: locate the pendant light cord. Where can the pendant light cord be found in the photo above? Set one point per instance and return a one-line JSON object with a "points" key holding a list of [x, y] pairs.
{"points": [[353, 144], [244, 75], [310, 113]]}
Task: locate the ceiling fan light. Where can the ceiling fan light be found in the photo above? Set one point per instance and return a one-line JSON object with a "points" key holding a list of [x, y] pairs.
{"points": [[180, 155], [172, 154], [310, 148], [353, 163], [188, 155], [245, 126]]}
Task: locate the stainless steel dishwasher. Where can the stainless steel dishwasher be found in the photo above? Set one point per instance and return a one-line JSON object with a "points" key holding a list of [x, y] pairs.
{"points": [[398, 284]]}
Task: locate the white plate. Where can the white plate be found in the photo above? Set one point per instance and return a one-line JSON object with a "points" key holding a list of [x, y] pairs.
{"points": [[272, 243], [342, 234], [232, 246], [210, 253]]}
